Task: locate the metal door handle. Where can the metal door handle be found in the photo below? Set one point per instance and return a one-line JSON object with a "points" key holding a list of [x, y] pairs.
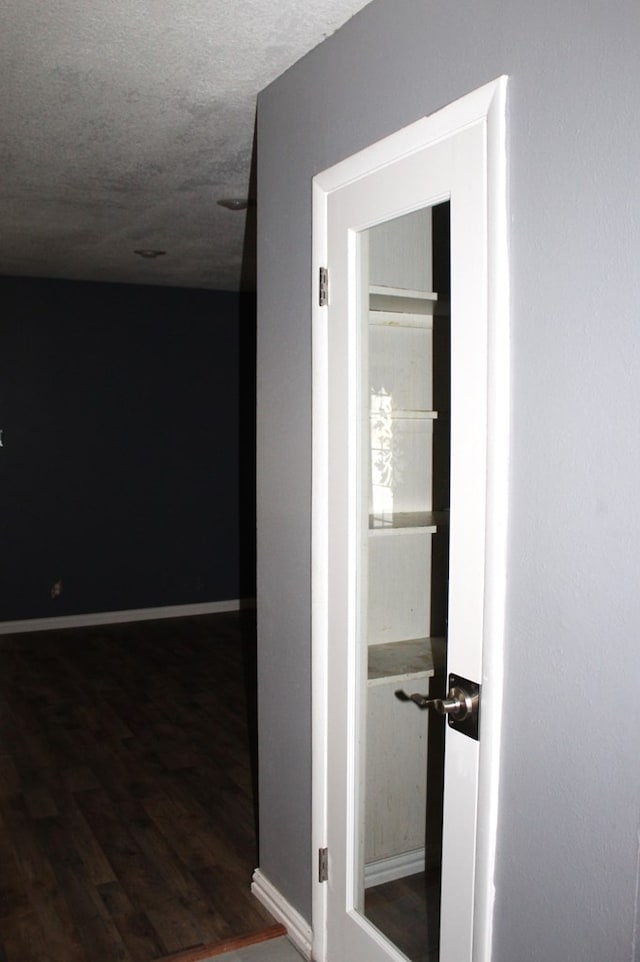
{"points": [[461, 704], [457, 702]]}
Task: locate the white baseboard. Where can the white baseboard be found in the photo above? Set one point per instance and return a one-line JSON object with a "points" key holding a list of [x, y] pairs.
{"points": [[397, 866], [298, 929], [118, 617]]}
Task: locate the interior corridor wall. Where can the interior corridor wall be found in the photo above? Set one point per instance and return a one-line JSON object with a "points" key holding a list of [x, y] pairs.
{"points": [[566, 882]]}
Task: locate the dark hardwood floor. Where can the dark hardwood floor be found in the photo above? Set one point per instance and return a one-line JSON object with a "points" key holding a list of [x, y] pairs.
{"points": [[127, 801]]}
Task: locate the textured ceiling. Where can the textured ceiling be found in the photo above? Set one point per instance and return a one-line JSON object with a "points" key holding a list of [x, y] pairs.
{"points": [[123, 123]]}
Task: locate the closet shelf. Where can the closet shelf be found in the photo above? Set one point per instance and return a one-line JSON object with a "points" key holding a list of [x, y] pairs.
{"points": [[407, 521], [398, 661], [401, 300], [400, 320], [400, 415]]}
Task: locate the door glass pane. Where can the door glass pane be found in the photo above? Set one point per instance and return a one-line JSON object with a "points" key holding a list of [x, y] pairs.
{"points": [[403, 573]]}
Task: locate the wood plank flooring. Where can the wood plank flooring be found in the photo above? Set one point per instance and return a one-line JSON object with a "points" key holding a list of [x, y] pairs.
{"points": [[127, 790]]}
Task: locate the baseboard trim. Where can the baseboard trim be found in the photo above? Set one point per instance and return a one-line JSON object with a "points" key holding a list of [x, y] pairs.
{"points": [[118, 617], [298, 929], [394, 867]]}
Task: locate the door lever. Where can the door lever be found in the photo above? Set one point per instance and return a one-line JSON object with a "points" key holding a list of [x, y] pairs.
{"points": [[461, 704], [456, 702]]}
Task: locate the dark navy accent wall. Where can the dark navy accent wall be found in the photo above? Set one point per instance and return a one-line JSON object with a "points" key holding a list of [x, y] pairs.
{"points": [[127, 438]]}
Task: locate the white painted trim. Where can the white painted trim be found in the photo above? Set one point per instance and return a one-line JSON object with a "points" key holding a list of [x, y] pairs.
{"points": [[488, 102], [298, 929], [319, 570], [118, 617], [428, 130], [394, 867], [498, 440]]}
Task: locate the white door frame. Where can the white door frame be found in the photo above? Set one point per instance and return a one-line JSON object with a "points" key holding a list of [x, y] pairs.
{"points": [[486, 104]]}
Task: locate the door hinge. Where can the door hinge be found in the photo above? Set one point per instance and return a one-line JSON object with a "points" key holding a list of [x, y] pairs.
{"points": [[323, 864], [323, 291]]}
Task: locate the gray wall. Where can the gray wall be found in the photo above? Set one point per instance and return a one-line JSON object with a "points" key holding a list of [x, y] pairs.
{"points": [[566, 885]]}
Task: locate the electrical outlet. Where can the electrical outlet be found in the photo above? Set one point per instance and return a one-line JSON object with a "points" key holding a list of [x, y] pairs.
{"points": [[56, 589]]}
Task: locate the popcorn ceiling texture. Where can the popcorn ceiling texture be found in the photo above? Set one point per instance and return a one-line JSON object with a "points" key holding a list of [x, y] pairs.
{"points": [[123, 124]]}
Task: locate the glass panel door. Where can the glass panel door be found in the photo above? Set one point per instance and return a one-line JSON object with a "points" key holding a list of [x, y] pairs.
{"points": [[405, 559], [403, 490]]}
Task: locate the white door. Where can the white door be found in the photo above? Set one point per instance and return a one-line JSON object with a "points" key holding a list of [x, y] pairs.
{"points": [[409, 537]]}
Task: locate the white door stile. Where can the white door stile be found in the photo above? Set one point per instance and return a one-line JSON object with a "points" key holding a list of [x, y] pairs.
{"points": [[485, 106], [497, 490]]}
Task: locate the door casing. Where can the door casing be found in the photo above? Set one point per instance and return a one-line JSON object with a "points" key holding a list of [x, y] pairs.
{"points": [[487, 103]]}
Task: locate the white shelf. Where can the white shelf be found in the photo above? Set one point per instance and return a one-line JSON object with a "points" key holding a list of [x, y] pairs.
{"points": [[398, 661], [405, 522], [400, 319], [401, 301], [399, 415]]}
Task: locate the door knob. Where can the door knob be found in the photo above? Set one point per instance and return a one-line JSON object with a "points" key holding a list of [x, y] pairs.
{"points": [[461, 704]]}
